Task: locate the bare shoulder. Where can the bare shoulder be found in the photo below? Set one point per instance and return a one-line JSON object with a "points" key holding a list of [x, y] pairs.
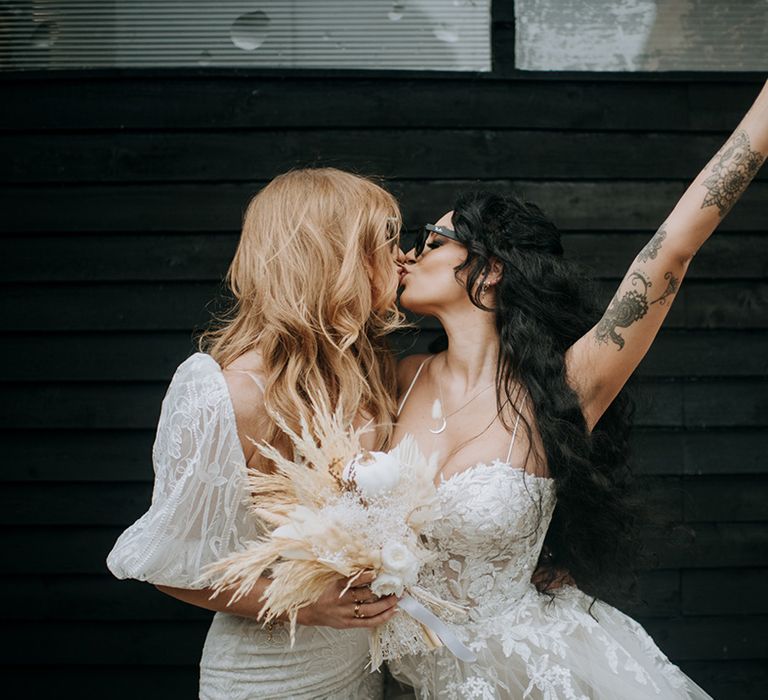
{"points": [[245, 382], [247, 396], [406, 370]]}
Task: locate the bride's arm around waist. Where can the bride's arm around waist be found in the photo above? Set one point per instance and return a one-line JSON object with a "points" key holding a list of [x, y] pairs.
{"points": [[198, 513]]}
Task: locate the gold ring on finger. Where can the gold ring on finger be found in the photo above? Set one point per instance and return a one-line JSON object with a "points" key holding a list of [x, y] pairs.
{"points": [[357, 611]]}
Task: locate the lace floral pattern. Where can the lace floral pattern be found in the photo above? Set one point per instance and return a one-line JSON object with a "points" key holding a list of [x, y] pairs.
{"points": [[528, 645], [198, 515], [198, 512]]}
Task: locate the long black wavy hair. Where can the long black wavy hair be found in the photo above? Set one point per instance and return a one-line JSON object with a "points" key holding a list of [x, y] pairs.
{"points": [[543, 304]]}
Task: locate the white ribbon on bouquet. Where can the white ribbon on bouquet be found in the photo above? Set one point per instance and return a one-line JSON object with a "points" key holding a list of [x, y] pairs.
{"points": [[444, 633]]}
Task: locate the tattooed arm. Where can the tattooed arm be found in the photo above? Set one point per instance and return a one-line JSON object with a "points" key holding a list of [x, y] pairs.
{"points": [[600, 363]]}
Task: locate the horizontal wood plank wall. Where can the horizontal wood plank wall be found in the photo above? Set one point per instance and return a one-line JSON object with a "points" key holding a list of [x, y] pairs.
{"points": [[121, 200]]}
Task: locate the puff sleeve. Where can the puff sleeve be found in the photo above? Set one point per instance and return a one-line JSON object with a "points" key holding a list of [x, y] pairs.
{"points": [[198, 512]]}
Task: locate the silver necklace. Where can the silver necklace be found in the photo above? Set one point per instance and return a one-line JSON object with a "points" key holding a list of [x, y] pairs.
{"points": [[437, 408]]}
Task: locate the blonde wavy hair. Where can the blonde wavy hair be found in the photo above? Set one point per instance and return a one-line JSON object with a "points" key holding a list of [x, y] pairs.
{"points": [[314, 285]]}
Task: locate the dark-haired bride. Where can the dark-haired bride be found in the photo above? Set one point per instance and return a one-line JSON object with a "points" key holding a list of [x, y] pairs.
{"points": [[526, 409]]}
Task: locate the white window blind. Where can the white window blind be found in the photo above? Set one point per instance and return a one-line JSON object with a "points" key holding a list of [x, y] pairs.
{"points": [[350, 34]]}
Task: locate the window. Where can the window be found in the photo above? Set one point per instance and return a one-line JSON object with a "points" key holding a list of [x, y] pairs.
{"points": [[367, 34], [641, 35]]}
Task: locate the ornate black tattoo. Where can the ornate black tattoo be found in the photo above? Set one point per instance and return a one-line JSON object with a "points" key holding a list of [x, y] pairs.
{"points": [[673, 284], [733, 168], [653, 246], [622, 313], [632, 306]]}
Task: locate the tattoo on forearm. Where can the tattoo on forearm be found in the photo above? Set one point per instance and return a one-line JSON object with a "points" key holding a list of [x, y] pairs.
{"points": [[653, 246], [673, 284], [733, 168], [631, 307]]}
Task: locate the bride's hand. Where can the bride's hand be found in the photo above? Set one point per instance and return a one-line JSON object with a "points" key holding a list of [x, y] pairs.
{"points": [[333, 610]]}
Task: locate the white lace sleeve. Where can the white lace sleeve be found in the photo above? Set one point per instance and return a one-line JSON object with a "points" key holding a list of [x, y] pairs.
{"points": [[198, 514]]}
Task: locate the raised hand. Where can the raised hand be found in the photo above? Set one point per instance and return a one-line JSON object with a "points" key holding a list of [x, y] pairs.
{"points": [[600, 362]]}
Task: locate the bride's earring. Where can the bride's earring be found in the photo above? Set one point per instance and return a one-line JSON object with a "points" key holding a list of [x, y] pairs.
{"points": [[483, 290]]}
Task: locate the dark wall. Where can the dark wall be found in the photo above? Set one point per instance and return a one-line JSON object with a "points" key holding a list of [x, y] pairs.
{"points": [[120, 207]]}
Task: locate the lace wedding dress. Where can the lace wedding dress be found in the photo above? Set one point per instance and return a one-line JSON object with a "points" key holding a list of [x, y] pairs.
{"points": [[198, 516], [487, 545]]}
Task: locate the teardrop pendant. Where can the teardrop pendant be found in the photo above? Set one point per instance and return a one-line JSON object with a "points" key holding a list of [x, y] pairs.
{"points": [[437, 414], [441, 428]]}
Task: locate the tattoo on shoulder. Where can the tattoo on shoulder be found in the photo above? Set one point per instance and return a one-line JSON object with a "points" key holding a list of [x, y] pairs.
{"points": [[653, 246], [631, 307], [733, 168]]}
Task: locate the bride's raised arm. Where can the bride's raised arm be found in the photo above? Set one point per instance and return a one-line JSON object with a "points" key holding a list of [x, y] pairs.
{"points": [[600, 362]]}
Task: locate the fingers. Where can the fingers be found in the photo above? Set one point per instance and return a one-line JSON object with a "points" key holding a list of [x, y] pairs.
{"points": [[367, 610], [348, 612], [376, 620], [362, 594], [358, 589], [363, 608], [364, 579]]}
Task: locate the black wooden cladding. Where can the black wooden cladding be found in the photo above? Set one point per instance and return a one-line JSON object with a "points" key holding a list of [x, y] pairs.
{"points": [[122, 198], [702, 499], [179, 306], [104, 455], [78, 549], [610, 206], [714, 404], [418, 154], [195, 257], [241, 103], [90, 356]]}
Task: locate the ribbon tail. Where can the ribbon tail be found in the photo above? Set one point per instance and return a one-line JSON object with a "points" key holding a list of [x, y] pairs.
{"points": [[417, 611]]}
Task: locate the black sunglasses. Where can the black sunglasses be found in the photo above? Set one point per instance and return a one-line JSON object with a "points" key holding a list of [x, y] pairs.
{"points": [[421, 237]]}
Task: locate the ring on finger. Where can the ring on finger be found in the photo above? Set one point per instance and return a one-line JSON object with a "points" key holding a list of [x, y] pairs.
{"points": [[357, 612]]}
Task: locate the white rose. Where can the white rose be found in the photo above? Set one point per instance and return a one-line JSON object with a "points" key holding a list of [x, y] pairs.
{"points": [[397, 558], [387, 584], [373, 473]]}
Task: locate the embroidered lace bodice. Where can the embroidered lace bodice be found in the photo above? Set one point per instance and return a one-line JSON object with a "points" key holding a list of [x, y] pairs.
{"points": [[487, 545], [488, 541]]}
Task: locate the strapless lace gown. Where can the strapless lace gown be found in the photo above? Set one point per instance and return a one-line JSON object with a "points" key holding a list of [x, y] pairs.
{"points": [[198, 516], [487, 545]]}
